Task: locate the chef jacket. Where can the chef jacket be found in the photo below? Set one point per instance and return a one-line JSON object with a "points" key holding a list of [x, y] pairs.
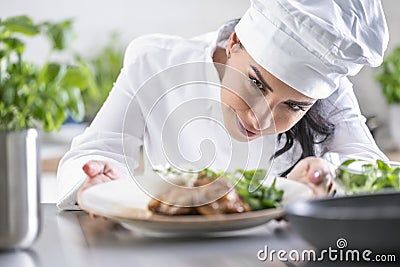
{"points": [[178, 121]]}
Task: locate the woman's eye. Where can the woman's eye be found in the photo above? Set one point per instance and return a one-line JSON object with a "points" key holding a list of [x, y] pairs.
{"points": [[295, 107], [256, 83]]}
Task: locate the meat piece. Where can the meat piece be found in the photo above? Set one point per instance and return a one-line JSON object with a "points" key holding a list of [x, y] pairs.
{"points": [[182, 203], [207, 197], [228, 201]]}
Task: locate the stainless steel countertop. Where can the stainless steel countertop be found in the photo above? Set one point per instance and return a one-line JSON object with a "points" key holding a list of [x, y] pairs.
{"points": [[74, 239]]}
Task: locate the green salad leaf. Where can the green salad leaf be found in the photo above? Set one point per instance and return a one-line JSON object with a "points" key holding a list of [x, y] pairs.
{"points": [[368, 177], [249, 186]]}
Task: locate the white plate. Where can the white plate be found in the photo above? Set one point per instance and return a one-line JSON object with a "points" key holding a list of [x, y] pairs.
{"points": [[123, 201]]}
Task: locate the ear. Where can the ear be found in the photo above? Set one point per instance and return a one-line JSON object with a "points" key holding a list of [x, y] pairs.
{"points": [[232, 45]]}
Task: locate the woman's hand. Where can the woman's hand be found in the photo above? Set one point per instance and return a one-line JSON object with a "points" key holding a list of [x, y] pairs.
{"points": [[98, 172], [314, 172]]}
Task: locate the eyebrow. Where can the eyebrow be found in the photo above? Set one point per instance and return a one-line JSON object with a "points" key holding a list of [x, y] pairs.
{"points": [[264, 83], [261, 78]]}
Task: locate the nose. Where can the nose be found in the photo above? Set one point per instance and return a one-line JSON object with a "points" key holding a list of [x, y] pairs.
{"points": [[261, 116]]}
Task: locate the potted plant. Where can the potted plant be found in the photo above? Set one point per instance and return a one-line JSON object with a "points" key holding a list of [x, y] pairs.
{"points": [[389, 80], [31, 96]]}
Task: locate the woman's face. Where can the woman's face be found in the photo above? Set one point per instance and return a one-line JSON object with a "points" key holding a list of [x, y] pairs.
{"points": [[255, 103]]}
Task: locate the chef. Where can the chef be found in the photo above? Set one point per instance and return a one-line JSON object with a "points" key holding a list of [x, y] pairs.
{"points": [[267, 91]]}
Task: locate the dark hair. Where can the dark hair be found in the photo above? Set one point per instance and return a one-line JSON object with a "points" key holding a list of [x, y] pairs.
{"points": [[312, 129]]}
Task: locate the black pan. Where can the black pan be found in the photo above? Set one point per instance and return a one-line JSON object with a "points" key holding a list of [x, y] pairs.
{"points": [[358, 222]]}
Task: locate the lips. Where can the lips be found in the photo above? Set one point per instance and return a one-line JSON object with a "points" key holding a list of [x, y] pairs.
{"points": [[243, 129]]}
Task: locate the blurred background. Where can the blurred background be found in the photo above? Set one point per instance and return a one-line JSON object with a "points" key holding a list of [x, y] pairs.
{"points": [[102, 29]]}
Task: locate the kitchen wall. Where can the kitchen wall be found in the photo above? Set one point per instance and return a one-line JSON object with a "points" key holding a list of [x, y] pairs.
{"points": [[367, 90], [95, 20]]}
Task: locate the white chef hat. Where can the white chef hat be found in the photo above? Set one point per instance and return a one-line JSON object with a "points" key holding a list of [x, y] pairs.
{"points": [[311, 44]]}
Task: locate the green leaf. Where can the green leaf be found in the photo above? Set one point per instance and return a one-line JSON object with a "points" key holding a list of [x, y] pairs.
{"points": [[389, 76], [348, 162], [49, 73], [254, 193], [383, 166], [60, 34], [258, 174], [268, 204], [373, 177], [60, 116], [76, 106], [13, 44], [8, 95], [21, 24], [48, 122], [254, 204], [74, 78]]}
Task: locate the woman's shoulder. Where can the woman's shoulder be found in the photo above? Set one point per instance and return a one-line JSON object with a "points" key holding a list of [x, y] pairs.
{"points": [[342, 101], [342, 93]]}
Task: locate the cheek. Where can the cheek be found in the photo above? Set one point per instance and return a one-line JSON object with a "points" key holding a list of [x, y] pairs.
{"points": [[233, 100], [285, 121], [235, 87], [230, 124]]}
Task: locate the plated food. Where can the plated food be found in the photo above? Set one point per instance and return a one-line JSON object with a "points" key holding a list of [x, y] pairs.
{"points": [[125, 201], [213, 193], [362, 176]]}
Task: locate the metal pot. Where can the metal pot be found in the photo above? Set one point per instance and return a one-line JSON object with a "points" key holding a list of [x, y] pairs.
{"points": [[19, 189]]}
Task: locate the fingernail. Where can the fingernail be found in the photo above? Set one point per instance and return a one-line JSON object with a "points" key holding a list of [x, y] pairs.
{"points": [[315, 177]]}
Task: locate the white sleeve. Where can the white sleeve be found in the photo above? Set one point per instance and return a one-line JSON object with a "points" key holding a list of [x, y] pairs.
{"points": [[107, 138], [352, 137]]}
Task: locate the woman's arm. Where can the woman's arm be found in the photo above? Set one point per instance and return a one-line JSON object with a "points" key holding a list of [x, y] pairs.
{"points": [[108, 140]]}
